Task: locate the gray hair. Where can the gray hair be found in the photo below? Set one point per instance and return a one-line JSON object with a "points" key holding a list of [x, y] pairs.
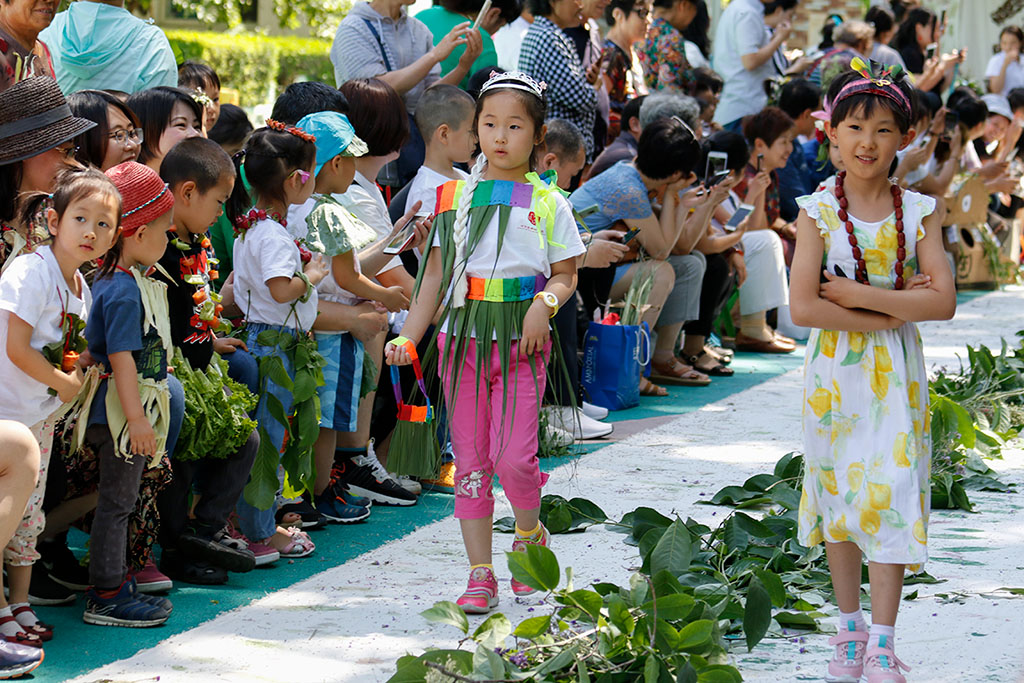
{"points": [[667, 103], [854, 32]]}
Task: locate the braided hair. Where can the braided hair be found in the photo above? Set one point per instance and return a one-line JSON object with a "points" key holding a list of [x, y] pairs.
{"points": [[460, 233]]}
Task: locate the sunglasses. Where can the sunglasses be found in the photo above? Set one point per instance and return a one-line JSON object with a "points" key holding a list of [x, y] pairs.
{"points": [[304, 176]]}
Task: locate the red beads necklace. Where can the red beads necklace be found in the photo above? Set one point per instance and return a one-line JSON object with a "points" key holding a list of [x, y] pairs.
{"points": [[901, 240]]}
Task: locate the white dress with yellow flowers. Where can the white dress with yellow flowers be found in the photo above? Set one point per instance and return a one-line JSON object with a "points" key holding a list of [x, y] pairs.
{"points": [[865, 416]]}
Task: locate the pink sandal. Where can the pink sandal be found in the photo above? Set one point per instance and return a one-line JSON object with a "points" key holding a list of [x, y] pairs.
{"points": [[44, 631], [300, 545]]}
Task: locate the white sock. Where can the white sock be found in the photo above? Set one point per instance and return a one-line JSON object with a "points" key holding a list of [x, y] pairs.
{"points": [[9, 628], [27, 618], [882, 636], [852, 621]]}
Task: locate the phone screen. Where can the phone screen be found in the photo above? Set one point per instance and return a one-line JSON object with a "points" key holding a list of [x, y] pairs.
{"points": [[738, 217], [716, 166], [628, 237], [930, 51], [760, 162], [401, 240]]}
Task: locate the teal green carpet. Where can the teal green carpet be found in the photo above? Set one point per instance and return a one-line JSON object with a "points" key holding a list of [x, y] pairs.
{"points": [[79, 648]]}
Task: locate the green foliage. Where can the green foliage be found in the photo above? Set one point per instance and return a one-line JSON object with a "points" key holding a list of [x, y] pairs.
{"points": [[301, 426], [255, 65], [216, 421], [321, 16], [560, 516]]}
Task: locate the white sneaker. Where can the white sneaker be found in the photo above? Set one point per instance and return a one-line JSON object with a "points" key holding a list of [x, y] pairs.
{"points": [[577, 423], [407, 483], [555, 437], [594, 412]]}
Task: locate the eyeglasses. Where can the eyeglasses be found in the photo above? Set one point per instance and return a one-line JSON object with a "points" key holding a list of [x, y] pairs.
{"points": [[304, 176], [68, 153], [122, 136]]}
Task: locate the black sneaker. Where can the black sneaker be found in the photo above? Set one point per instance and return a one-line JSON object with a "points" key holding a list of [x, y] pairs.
{"points": [[199, 550], [42, 590], [176, 565], [63, 566], [364, 476], [311, 518]]}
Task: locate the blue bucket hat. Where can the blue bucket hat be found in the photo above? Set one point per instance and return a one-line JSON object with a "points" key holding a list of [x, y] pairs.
{"points": [[334, 135]]}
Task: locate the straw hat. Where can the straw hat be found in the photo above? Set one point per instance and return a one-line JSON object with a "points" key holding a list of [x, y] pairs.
{"points": [[34, 118], [144, 196]]}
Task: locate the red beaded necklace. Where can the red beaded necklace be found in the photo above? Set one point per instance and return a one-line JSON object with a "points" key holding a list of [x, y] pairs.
{"points": [[901, 240]]}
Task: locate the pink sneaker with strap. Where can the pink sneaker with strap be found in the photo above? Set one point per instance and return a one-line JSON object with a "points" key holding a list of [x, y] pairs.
{"points": [[847, 663], [519, 546], [481, 594], [881, 664]]}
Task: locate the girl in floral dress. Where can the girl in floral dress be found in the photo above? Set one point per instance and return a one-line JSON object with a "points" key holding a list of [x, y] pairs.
{"points": [[866, 426]]}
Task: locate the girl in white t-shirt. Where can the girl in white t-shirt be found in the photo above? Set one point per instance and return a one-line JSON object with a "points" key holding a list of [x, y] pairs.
{"points": [[44, 302], [503, 259], [276, 289], [1005, 71]]}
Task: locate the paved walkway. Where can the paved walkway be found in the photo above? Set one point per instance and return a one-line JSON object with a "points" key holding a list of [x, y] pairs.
{"points": [[352, 621]]}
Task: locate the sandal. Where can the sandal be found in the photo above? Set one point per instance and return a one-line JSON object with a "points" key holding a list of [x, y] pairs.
{"points": [[723, 355], [41, 629], [717, 369], [649, 388], [21, 637], [298, 545], [674, 372]]}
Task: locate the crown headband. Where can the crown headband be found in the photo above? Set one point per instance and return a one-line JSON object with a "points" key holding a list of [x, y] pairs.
{"points": [[883, 85], [297, 132], [516, 80]]}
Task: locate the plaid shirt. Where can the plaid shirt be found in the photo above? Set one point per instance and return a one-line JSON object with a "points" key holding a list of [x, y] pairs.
{"points": [[548, 55]]}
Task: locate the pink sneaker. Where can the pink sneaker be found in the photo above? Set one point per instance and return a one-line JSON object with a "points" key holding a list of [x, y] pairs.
{"points": [[847, 663], [481, 594], [882, 666], [519, 546], [149, 579], [233, 538]]}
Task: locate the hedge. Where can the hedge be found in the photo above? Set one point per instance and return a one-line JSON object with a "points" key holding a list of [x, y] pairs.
{"points": [[255, 65]]}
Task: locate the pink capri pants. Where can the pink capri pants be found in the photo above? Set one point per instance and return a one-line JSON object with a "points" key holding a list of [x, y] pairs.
{"points": [[487, 441]]}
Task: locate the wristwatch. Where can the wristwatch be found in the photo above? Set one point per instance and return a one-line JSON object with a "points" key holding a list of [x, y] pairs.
{"points": [[549, 299]]}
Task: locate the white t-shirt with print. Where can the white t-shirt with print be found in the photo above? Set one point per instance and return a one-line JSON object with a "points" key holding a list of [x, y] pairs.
{"points": [[267, 250], [34, 289], [521, 252]]}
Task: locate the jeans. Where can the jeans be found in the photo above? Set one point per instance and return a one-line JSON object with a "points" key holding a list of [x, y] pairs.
{"points": [[244, 369], [259, 524]]}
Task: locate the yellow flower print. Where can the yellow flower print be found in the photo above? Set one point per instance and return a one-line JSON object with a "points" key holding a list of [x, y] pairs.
{"points": [[879, 378], [837, 530], [841, 426], [829, 339], [829, 216], [858, 340], [837, 395], [913, 389], [879, 496], [828, 480], [920, 533], [870, 521], [899, 450], [917, 430], [877, 262], [885, 240], [855, 476], [820, 402]]}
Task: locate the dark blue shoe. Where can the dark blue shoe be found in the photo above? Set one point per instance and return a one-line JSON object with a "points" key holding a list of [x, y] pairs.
{"points": [[126, 608], [156, 600], [17, 660], [334, 508]]}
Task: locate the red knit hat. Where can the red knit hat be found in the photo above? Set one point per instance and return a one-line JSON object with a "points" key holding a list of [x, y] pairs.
{"points": [[144, 197]]}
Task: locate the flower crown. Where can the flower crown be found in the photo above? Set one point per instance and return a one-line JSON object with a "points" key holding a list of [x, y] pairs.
{"points": [[516, 80], [201, 98], [297, 132]]}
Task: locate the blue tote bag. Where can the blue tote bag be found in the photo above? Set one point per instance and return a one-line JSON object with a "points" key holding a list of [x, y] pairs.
{"points": [[615, 357]]}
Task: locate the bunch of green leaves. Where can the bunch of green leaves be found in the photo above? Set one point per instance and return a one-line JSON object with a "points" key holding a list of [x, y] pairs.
{"points": [[217, 408], [72, 338], [655, 629], [548, 444], [637, 296], [301, 426], [561, 516]]}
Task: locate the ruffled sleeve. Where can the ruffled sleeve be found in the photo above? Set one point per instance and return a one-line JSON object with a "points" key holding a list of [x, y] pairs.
{"points": [[821, 206], [333, 230], [923, 206]]}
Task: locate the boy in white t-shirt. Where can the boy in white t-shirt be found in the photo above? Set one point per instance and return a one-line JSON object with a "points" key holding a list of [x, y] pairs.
{"points": [[444, 116]]}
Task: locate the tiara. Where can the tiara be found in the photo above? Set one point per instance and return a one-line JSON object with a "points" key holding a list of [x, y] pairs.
{"points": [[297, 132], [516, 80]]}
